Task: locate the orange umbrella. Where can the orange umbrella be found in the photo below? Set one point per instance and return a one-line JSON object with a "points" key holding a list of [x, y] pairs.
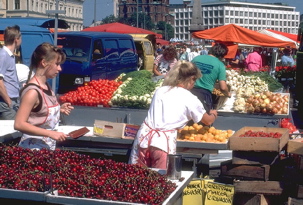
{"points": [[237, 34]]}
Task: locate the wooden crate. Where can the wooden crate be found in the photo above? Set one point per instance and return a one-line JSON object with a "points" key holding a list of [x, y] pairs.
{"points": [[252, 157], [259, 187], [295, 146], [294, 201], [245, 172], [258, 199], [259, 143]]}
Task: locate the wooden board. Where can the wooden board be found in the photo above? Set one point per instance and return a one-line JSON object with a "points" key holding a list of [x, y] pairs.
{"points": [[259, 187], [250, 157], [294, 201], [259, 143], [246, 172], [295, 146]]}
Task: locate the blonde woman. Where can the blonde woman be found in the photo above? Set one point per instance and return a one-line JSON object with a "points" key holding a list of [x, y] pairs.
{"points": [[173, 105]]}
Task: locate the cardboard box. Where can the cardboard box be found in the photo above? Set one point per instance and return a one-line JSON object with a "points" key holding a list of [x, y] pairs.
{"points": [[259, 143], [295, 146], [114, 129]]}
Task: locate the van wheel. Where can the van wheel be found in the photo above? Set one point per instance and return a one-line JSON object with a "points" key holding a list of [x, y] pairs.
{"points": [[140, 63]]}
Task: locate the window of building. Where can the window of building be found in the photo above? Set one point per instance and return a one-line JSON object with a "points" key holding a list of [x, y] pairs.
{"points": [[177, 15], [236, 13], [216, 21], [241, 21], [181, 23], [259, 15], [226, 20], [255, 14], [255, 22], [221, 13], [205, 21], [264, 22], [259, 22], [268, 15], [293, 17], [181, 15], [177, 29], [216, 13], [236, 20], [250, 21], [186, 15], [205, 14], [177, 22], [186, 29], [241, 13], [246, 13], [227, 12], [276, 16], [181, 29], [186, 22], [231, 13], [246, 21], [264, 15], [211, 14], [210, 21], [17, 4], [232, 20], [276, 23]]}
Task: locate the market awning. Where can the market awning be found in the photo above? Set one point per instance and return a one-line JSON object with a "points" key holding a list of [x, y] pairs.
{"points": [[237, 34], [293, 37], [162, 41], [276, 35], [120, 28]]}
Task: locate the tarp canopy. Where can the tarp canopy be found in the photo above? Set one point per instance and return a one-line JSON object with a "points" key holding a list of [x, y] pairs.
{"points": [[120, 28], [237, 34], [162, 41], [276, 35], [293, 37]]}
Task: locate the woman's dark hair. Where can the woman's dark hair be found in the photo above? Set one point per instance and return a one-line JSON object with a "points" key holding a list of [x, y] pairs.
{"points": [[169, 53], [219, 50]]}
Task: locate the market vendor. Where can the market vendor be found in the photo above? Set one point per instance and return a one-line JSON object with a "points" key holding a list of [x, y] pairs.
{"points": [[172, 107], [39, 112], [213, 70]]}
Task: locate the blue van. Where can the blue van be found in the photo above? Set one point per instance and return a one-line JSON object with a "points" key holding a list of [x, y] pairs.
{"points": [[94, 55], [34, 32]]}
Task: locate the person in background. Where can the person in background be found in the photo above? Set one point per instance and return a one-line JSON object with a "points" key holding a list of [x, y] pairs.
{"points": [[213, 70], [183, 54], [164, 62], [254, 60], [193, 54], [238, 60], [39, 113], [287, 59], [9, 83], [204, 51], [172, 107]]}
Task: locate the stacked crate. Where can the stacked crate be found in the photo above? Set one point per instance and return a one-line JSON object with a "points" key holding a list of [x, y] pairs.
{"points": [[256, 167], [294, 175]]}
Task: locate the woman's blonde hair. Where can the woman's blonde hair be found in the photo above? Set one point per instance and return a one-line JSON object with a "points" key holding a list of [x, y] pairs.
{"points": [[181, 73]]}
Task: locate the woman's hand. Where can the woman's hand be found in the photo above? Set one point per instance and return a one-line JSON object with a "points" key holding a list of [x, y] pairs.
{"points": [[58, 136], [66, 108]]}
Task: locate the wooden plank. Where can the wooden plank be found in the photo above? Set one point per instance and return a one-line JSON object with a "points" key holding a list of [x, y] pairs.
{"points": [[251, 157], [257, 172], [259, 187], [258, 199], [295, 146], [294, 201]]}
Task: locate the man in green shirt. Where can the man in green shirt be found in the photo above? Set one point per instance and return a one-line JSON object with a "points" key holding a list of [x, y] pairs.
{"points": [[213, 70]]}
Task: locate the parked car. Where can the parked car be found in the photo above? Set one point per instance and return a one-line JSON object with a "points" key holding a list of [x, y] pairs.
{"points": [[94, 55]]}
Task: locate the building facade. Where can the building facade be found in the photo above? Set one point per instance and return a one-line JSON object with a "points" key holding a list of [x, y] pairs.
{"points": [[254, 16], [157, 10], [38, 8]]}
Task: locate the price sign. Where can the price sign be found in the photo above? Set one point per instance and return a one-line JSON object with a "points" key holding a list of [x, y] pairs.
{"points": [[219, 194]]}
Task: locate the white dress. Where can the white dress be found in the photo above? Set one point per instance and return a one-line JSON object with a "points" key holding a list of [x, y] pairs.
{"points": [[171, 109]]}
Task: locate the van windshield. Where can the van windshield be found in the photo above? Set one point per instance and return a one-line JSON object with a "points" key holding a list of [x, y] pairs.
{"points": [[76, 48]]}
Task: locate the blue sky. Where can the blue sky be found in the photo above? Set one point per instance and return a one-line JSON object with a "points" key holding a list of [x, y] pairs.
{"points": [[105, 7]]}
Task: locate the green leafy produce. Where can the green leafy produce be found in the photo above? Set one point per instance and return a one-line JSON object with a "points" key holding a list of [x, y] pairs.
{"points": [[137, 74], [273, 84]]}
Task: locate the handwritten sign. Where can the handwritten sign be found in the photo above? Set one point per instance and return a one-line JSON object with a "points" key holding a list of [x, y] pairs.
{"points": [[194, 193], [219, 194]]}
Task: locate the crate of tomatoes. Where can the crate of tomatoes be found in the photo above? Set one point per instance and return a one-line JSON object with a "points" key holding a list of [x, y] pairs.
{"points": [[259, 139]]}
